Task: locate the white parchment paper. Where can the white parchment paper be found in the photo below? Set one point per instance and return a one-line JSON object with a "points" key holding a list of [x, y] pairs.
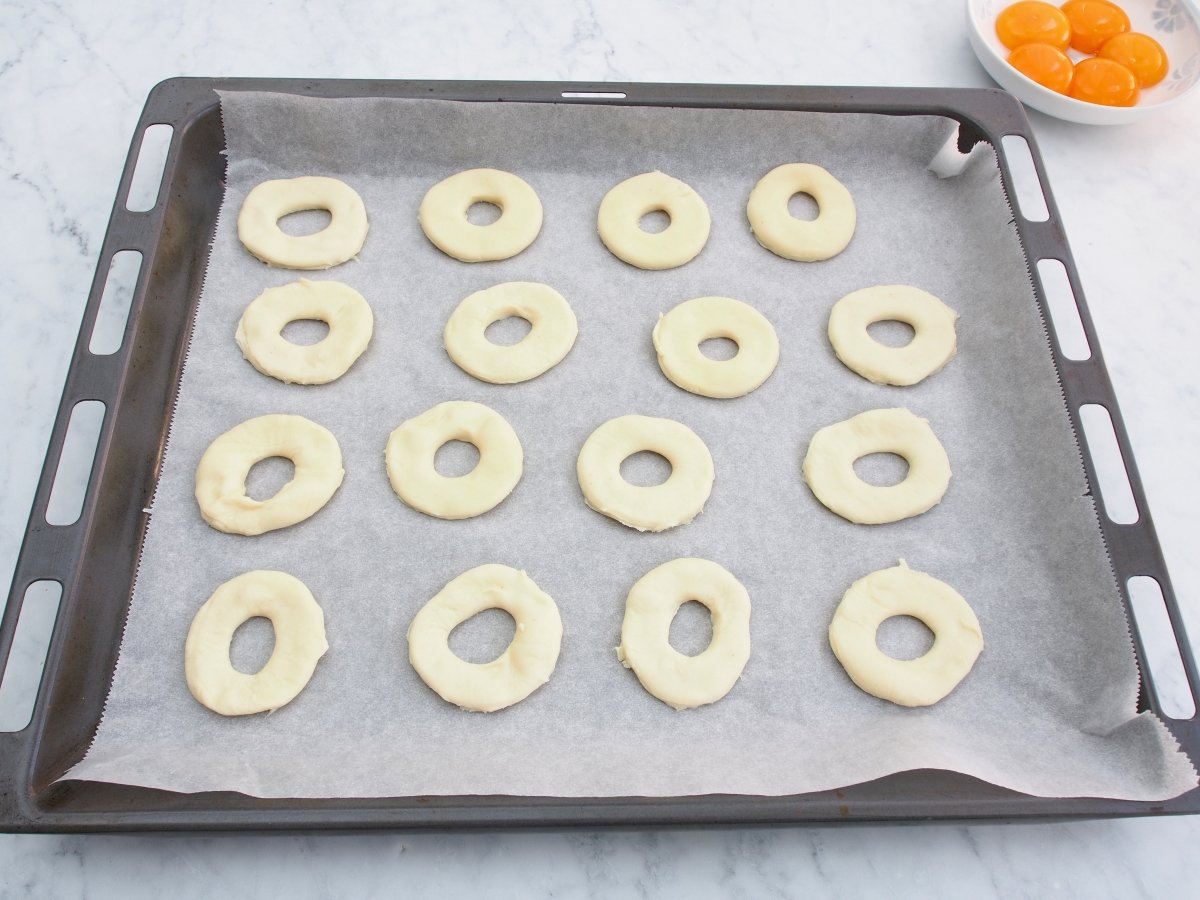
{"points": [[1049, 708]]}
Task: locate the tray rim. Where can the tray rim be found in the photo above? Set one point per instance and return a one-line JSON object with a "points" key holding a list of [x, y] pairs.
{"points": [[985, 115]]}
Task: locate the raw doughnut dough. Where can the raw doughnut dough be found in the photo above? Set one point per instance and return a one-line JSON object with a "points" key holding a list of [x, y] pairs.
{"points": [[932, 346], [622, 209], [221, 475], [682, 681], [676, 501], [900, 591], [300, 642], [443, 215], [550, 339], [343, 309], [679, 334], [782, 233], [829, 466], [410, 456], [267, 203], [520, 670]]}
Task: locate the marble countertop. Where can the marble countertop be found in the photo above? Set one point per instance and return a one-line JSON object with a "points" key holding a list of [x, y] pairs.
{"points": [[73, 78]]}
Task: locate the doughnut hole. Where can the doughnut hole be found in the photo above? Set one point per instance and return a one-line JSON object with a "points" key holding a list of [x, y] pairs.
{"points": [[509, 331], [691, 630], [267, 477], [483, 213], [305, 222], [802, 206], [891, 333], [904, 637], [483, 637], [881, 469], [305, 332], [455, 459], [645, 468], [719, 349], [252, 645], [655, 221]]}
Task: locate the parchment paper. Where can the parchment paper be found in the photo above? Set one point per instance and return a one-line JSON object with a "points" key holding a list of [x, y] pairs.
{"points": [[1049, 708]]}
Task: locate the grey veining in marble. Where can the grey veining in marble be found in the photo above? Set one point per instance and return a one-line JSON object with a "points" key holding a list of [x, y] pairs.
{"points": [[73, 76]]}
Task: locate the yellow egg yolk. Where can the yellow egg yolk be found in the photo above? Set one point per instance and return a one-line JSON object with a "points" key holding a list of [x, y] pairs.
{"points": [[1047, 65], [1140, 54], [1032, 22], [1099, 80]]}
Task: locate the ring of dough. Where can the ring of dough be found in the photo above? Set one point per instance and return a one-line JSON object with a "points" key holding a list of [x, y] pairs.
{"points": [[829, 466], [899, 591], [782, 233], [549, 340], [622, 209], [679, 334], [343, 309], [521, 669], [259, 231], [300, 642], [410, 455], [658, 507], [221, 475], [933, 344], [680, 681], [443, 215]]}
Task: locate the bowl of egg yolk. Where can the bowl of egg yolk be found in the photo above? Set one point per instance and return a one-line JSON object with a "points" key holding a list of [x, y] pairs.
{"points": [[1097, 62]]}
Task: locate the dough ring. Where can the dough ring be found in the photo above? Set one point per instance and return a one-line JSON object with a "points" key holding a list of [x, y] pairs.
{"points": [[343, 309], [443, 215], [221, 475], [932, 346], [300, 642], [267, 203], [677, 680], [678, 335], [900, 591], [621, 212], [549, 340], [829, 466], [520, 670], [411, 449], [676, 501], [782, 233]]}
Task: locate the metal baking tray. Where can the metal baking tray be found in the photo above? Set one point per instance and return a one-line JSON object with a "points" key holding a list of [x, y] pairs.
{"points": [[94, 559]]}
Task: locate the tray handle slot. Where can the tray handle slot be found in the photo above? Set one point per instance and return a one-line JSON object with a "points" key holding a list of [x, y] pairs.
{"points": [[23, 653], [593, 95], [146, 184], [1064, 310], [76, 461], [1026, 185], [108, 330], [1112, 476], [1171, 692]]}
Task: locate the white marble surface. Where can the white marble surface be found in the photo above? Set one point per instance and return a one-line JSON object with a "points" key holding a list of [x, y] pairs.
{"points": [[73, 77]]}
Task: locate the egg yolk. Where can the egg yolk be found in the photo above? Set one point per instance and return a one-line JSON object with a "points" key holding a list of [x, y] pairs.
{"points": [[1140, 54], [1030, 22], [1048, 66], [1099, 80], [1093, 22]]}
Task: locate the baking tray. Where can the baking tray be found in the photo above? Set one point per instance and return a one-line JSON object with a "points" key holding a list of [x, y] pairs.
{"points": [[95, 559]]}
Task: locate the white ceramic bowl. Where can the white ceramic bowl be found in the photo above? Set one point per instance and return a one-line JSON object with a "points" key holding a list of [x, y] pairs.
{"points": [[1173, 23]]}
